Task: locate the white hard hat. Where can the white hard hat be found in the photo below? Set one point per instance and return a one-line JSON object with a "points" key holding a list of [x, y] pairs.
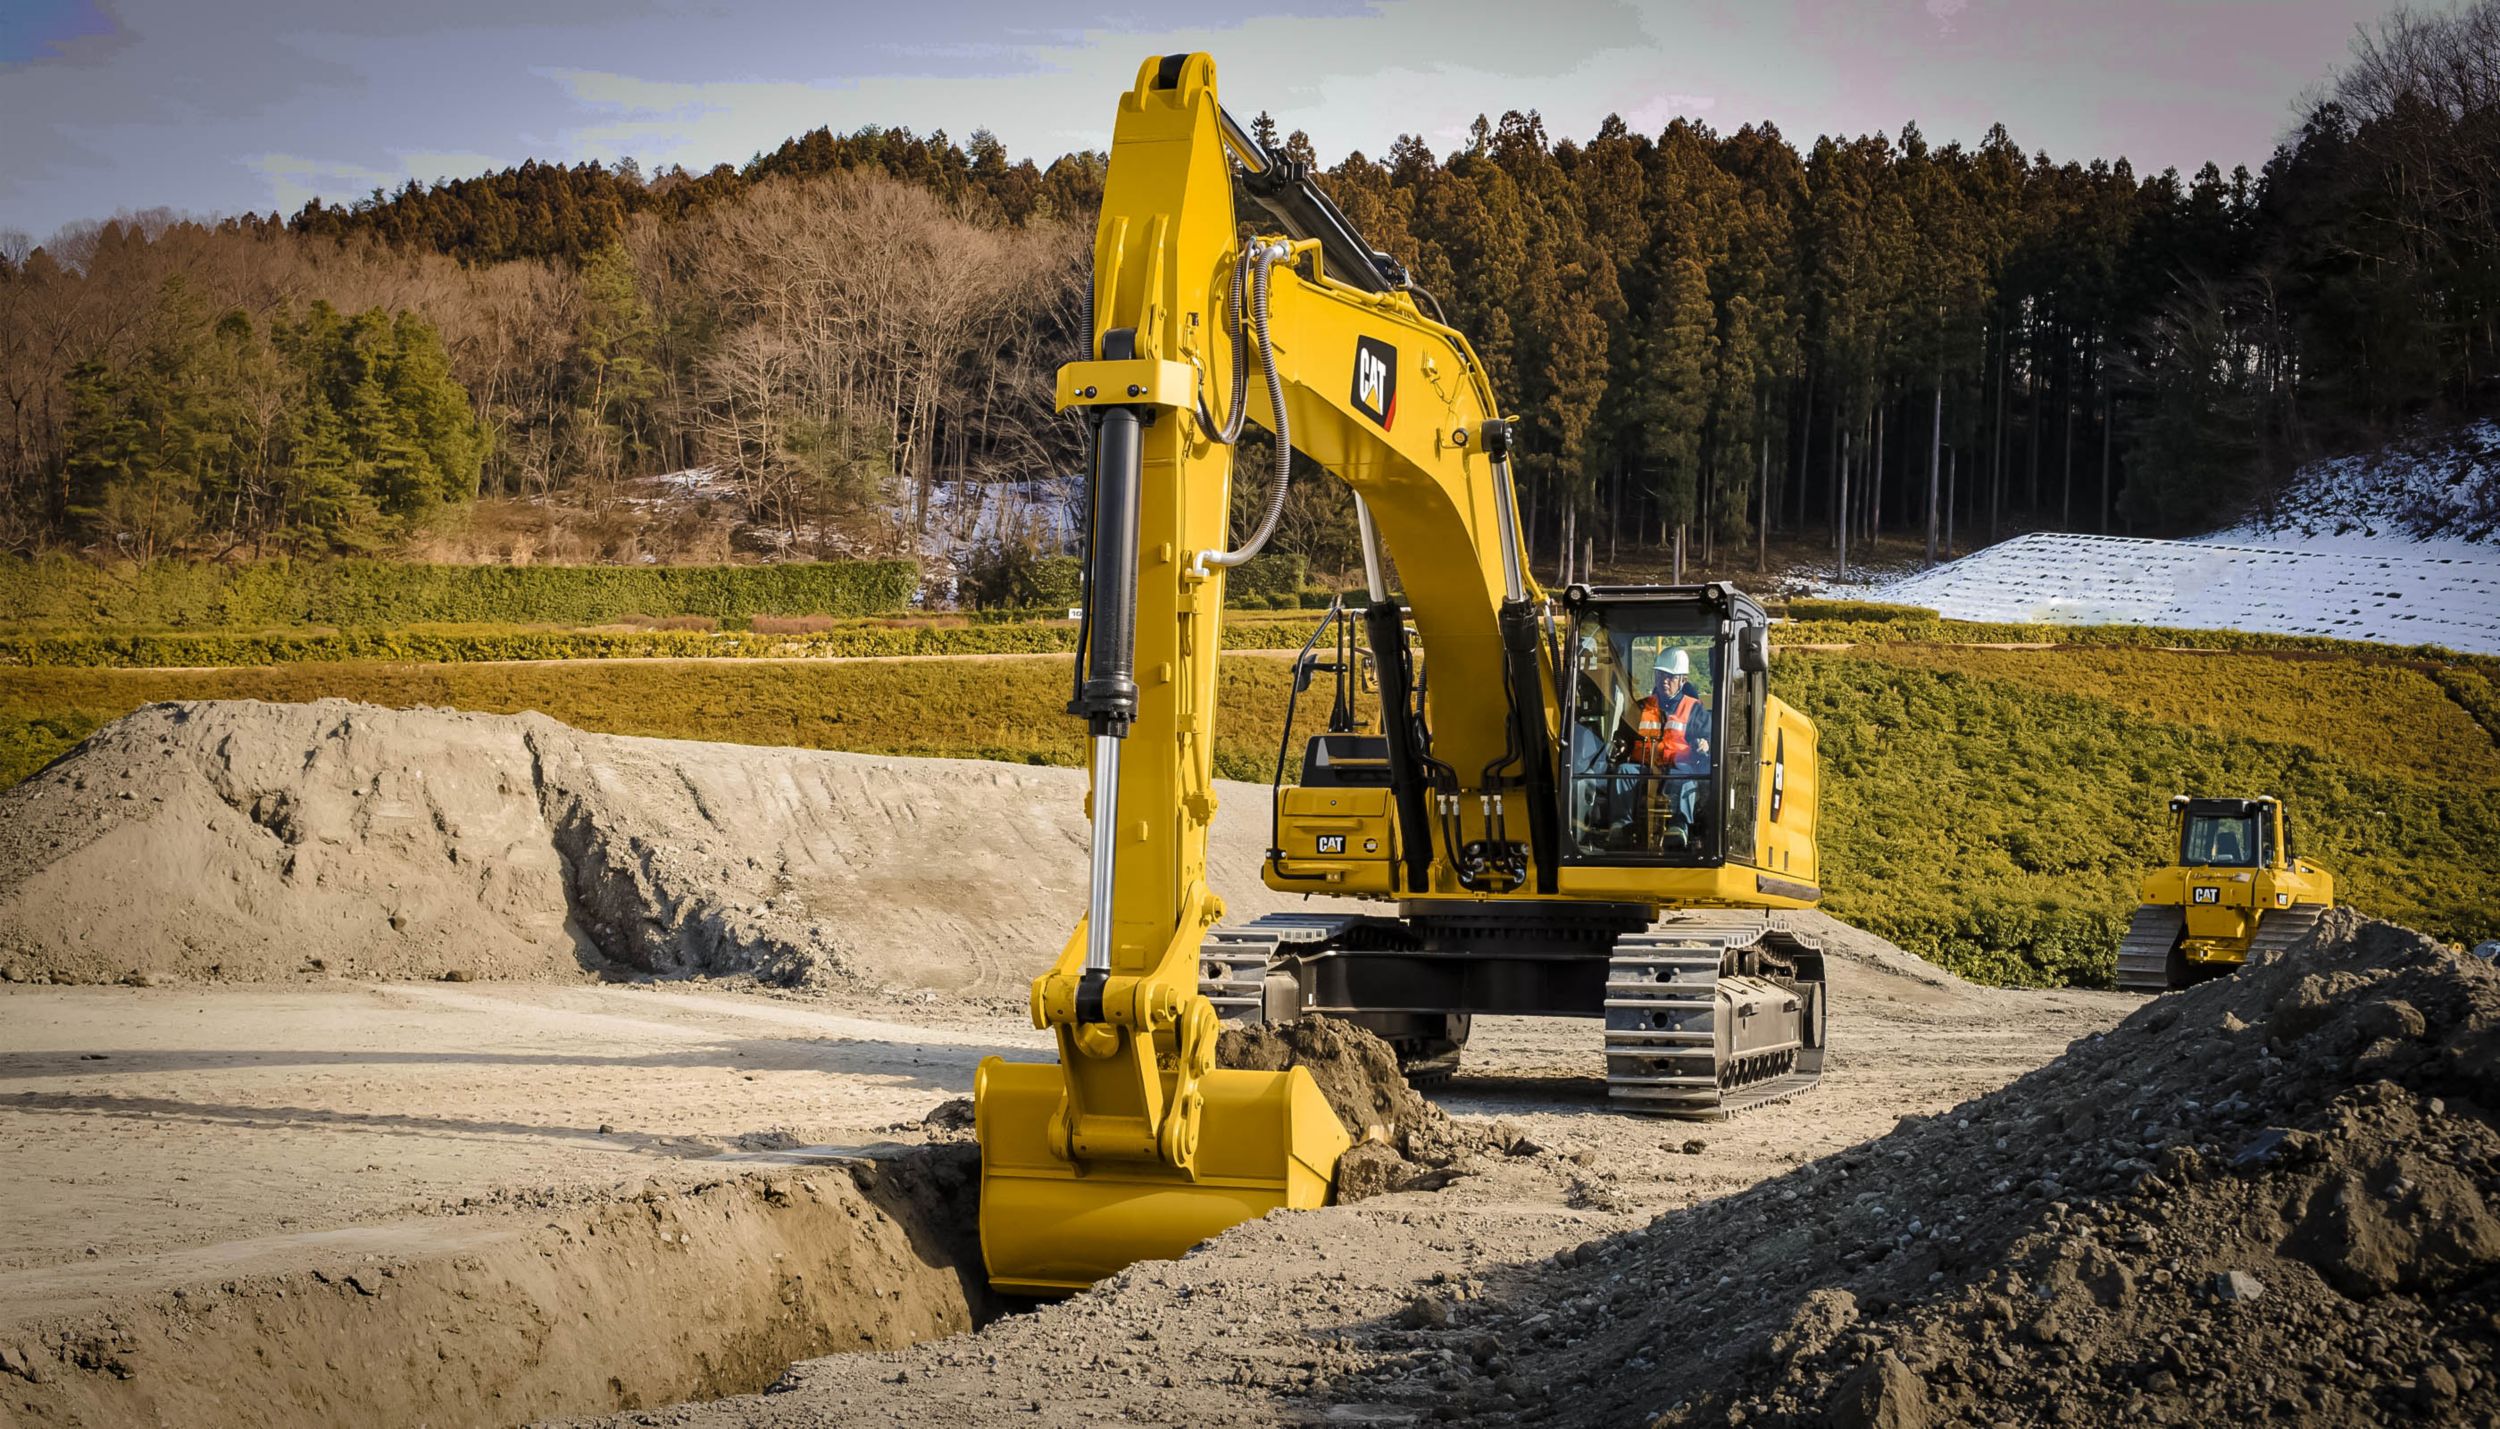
{"points": [[1678, 663]]}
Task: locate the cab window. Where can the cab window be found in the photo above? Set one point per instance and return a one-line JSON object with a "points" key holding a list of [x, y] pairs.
{"points": [[2225, 841]]}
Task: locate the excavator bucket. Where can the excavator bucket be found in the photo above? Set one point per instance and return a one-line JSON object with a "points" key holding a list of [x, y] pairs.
{"points": [[1049, 1227]]}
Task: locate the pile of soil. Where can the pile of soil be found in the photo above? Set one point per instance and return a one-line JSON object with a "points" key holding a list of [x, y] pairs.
{"points": [[1399, 1138], [2266, 1197], [245, 841]]}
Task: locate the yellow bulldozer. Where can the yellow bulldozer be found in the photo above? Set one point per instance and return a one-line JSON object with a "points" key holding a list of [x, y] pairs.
{"points": [[2239, 886], [1579, 803]]}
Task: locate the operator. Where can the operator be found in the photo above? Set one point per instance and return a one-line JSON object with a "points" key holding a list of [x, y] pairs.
{"points": [[1670, 742], [2228, 849]]}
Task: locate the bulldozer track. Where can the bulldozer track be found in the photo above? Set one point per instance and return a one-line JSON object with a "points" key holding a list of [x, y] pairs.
{"points": [[2144, 963], [2144, 955], [2282, 927], [1673, 1041]]}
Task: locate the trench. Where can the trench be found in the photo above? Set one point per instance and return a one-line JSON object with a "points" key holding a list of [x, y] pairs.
{"points": [[696, 1293]]}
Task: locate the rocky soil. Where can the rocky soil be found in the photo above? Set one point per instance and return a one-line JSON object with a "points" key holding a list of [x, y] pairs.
{"points": [[2262, 1199], [1400, 1139]]}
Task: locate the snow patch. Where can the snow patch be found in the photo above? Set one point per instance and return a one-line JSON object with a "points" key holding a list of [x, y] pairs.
{"points": [[2451, 600], [2428, 497]]}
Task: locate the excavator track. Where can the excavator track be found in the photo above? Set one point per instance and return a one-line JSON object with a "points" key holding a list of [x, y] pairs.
{"points": [[1233, 962], [2144, 955], [1706, 1014], [2282, 927], [1710, 1014]]}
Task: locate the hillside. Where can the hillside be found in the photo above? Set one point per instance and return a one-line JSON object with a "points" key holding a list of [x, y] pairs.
{"points": [[1990, 809], [2430, 496]]}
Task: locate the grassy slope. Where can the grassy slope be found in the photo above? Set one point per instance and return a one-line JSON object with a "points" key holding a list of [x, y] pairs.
{"points": [[1991, 809], [1983, 811]]}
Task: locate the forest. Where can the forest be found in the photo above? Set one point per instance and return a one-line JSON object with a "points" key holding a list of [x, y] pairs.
{"points": [[1730, 336]]}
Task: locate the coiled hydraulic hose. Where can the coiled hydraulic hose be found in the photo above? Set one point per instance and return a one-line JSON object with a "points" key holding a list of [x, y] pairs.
{"points": [[1229, 431], [1261, 257]]}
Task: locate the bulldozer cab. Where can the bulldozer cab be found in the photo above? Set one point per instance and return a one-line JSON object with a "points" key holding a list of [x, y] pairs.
{"points": [[1663, 690], [2229, 833]]}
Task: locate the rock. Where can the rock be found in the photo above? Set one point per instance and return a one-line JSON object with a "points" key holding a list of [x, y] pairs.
{"points": [[1426, 1312], [1370, 1169], [2434, 1387], [1883, 1393], [2238, 1286], [954, 1114], [2441, 1235]]}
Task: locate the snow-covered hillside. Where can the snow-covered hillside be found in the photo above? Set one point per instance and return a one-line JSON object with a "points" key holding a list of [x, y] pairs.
{"points": [[2434, 496], [2447, 598]]}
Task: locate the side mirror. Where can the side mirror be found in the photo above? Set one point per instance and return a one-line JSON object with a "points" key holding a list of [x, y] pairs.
{"points": [[1303, 665], [1753, 649]]}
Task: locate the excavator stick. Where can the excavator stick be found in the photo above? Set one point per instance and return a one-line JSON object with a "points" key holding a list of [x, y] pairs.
{"points": [[1133, 1146]]}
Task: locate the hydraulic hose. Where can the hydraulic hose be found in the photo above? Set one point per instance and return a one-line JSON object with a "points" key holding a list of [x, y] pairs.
{"points": [[1230, 430], [1263, 256]]}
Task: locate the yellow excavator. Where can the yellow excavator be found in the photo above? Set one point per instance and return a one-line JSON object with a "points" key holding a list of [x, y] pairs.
{"points": [[1581, 803], [2239, 887]]}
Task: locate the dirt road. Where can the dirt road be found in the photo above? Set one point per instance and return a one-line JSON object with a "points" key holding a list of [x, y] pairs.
{"points": [[164, 1139]]}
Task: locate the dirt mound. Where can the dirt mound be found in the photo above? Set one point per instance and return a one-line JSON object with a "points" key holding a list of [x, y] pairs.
{"points": [[1398, 1135], [661, 1296], [2266, 1197], [250, 841]]}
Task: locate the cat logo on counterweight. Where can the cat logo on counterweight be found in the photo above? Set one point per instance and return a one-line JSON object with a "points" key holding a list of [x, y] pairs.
{"points": [[1376, 380]]}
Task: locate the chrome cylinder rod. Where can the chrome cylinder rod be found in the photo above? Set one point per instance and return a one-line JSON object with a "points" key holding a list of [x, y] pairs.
{"points": [[1106, 853], [1514, 574], [1375, 579]]}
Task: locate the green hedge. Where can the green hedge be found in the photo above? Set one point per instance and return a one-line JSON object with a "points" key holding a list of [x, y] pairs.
{"points": [[471, 646], [64, 592], [1932, 631]]}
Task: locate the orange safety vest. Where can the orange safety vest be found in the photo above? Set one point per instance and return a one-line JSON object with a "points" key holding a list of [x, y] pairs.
{"points": [[1661, 738]]}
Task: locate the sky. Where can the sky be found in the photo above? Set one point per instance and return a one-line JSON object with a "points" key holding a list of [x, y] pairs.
{"points": [[214, 107]]}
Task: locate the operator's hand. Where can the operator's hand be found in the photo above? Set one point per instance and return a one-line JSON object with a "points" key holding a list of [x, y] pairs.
{"points": [[1702, 745]]}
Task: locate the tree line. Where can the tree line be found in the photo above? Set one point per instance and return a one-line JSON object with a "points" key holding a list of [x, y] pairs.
{"points": [[1715, 335]]}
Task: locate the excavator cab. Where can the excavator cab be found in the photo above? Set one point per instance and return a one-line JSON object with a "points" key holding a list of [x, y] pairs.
{"points": [[1658, 686]]}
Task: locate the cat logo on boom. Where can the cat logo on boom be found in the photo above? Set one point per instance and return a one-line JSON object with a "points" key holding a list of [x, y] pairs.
{"points": [[1376, 381]]}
